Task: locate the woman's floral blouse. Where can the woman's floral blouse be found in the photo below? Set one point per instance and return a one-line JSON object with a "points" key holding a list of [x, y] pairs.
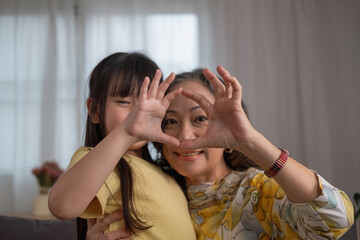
{"points": [[248, 205]]}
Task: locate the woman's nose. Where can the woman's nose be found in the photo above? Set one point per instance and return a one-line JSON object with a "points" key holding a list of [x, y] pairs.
{"points": [[186, 132]]}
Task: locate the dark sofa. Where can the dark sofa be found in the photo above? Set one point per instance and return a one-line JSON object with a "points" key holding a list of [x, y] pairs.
{"points": [[17, 228]]}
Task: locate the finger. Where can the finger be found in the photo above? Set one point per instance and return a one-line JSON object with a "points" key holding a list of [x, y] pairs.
{"points": [[115, 216], [114, 235], [236, 88], [154, 84], [166, 139], [229, 90], [235, 84], [164, 86], [215, 82], [223, 72], [94, 230], [203, 102], [171, 96], [191, 144], [91, 222], [144, 89], [104, 222]]}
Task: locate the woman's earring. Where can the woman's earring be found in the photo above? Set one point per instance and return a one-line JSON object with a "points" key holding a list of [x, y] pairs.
{"points": [[228, 150]]}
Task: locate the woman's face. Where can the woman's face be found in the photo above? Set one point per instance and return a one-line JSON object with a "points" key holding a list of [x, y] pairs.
{"points": [[186, 120]]}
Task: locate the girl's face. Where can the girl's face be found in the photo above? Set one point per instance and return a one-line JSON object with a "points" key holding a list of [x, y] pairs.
{"points": [[186, 120], [116, 111]]}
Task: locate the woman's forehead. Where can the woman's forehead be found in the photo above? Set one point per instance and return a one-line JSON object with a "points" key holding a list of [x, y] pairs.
{"points": [[196, 87], [182, 103]]}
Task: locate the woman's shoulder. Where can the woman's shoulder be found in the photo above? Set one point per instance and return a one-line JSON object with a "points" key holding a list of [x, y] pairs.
{"points": [[254, 178], [251, 174]]}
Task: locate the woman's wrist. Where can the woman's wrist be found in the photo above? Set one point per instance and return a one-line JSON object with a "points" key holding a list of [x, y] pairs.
{"points": [[250, 144], [260, 150]]}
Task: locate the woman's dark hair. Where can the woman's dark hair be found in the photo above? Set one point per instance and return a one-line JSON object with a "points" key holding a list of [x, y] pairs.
{"points": [[234, 159], [120, 74]]}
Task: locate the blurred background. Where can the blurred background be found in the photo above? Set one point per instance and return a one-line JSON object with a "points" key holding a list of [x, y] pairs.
{"points": [[298, 62]]}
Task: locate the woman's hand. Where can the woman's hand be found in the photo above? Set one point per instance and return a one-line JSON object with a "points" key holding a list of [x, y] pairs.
{"points": [[96, 228], [228, 126], [144, 122]]}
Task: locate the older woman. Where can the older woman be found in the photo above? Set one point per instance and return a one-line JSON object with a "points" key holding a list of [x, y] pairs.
{"points": [[229, 196]]}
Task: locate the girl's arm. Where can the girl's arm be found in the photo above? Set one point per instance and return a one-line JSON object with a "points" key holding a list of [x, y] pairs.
{"points": [[73, 192]]}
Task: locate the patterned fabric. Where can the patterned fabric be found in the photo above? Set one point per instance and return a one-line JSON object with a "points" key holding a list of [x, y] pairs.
{"points": [[248, 205]]}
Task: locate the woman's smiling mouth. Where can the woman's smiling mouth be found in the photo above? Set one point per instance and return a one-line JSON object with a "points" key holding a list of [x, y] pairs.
{"points": [[188, 156]]}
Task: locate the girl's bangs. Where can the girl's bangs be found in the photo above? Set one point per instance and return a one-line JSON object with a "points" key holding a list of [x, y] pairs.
{"points": [[130, 78], [125, 84]]}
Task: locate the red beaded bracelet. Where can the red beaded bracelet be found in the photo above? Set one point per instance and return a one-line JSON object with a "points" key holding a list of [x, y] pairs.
{"points": [[278, 165]]}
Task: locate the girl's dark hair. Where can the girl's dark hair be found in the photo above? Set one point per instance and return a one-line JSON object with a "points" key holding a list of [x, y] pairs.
{"points": [[120, 74], [234, 160]]}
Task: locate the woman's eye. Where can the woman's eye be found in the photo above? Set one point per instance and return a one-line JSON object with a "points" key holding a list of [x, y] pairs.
{"points": [[169, 121], [201, 119]]}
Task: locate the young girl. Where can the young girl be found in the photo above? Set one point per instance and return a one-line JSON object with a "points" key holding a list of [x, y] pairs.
{"points": [[114, 171]]}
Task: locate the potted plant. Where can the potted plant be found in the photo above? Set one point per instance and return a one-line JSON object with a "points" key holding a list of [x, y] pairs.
{"points": [[46, 175]]}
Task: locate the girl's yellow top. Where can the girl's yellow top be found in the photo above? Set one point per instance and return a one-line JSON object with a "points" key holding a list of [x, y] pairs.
{"points": [[158, 199]]}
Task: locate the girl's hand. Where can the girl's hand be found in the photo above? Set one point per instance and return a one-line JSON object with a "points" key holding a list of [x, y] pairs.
{"points": [[96, 228], [228, 126], [144, 122]]}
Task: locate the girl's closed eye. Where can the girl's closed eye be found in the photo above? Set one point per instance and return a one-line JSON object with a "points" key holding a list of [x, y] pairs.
{"points": [[123, 102]]}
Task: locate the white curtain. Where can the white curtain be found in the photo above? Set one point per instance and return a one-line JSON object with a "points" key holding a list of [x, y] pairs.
{"points": [[297, 61], [38, 94]]}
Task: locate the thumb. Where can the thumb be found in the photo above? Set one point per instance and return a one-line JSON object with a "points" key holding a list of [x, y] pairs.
{"points": [[191, 144], [168, 140]]}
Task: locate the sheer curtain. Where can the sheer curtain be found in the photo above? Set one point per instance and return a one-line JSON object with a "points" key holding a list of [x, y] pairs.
{"points": [[50, 48], [38, 92], [165, 30], [297, 61]]}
